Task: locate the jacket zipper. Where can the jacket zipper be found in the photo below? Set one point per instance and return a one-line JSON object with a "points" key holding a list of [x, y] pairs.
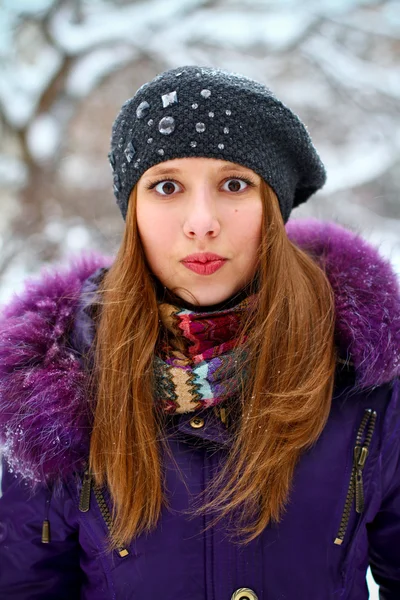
{"points": [[355, 490], [84, 505]]}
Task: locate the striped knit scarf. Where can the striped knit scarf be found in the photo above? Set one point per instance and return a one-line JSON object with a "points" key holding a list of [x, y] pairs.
{"points": [[199, 356]]}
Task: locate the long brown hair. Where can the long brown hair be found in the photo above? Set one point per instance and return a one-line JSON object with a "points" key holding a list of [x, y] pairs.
{"points": [[283, 405]]}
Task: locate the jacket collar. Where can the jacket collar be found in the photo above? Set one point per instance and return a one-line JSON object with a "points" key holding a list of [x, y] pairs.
{"points": [[44, 409]]}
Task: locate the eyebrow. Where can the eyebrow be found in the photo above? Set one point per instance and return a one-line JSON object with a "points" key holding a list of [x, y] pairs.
{"points": [[175, 171]]}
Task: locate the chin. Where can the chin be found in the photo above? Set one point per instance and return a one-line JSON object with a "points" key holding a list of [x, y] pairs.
{"points": [[207, 296]]}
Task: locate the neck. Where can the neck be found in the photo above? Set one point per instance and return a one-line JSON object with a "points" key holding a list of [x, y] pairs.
{"points": [[167, 296]]}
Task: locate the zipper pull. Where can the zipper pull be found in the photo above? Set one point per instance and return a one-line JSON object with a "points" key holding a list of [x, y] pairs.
{"points": [[46, 532], [359, 492], [84, 498], [356, 487], [360, 456]]}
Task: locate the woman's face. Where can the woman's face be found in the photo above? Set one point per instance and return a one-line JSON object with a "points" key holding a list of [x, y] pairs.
{"points": [[194, 206]]}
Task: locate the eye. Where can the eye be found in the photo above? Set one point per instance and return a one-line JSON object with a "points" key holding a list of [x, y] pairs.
{"points": [[236, 184], [166, 187]]}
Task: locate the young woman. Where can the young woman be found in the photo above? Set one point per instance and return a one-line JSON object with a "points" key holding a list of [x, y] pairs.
{"points": [[213, 414]]}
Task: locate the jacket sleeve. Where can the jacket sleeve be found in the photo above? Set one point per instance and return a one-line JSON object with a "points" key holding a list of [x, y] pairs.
{"points": [[30, 569], [384, 531]]}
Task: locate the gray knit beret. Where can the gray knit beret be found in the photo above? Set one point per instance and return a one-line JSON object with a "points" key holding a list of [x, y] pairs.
{"points": [[200, 111]]}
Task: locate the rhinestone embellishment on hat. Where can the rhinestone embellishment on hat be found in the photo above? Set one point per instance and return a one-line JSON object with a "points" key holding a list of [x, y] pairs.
{"points": [[168, 99], [166, 125], [200, 127], [205, 93], [142, 110], [193, 144], [129, 152], [111, 159]]}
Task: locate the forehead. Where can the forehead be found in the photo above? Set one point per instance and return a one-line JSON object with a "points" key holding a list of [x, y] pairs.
{"points": [[194, 165]]}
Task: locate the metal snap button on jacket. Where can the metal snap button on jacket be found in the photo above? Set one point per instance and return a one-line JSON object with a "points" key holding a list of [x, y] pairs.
{"points": [[196, 422], [244, 594]]}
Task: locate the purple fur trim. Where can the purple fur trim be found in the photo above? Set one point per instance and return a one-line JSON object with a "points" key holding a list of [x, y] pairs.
{"points": [[44, 409], [367, 297]]}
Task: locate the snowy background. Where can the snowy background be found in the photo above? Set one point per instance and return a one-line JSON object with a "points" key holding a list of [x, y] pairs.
{"points": [[68, 65]]}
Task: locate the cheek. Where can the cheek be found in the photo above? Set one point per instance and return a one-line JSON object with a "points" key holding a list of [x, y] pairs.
{"points": [[155, 230], [247, 225], [158, 235]]}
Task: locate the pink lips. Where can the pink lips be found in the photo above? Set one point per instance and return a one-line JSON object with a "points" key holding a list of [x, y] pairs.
{"points": [[204, 263]]}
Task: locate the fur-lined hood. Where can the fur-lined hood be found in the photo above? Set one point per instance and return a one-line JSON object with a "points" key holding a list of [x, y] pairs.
{"points": [[45, 421]]}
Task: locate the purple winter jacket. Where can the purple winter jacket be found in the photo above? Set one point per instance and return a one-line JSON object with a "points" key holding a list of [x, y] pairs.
{"points": [[333, 527]]}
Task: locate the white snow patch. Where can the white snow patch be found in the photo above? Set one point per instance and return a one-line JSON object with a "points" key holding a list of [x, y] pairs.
{"points": [[78, 171], [21, 85], [6, 33], [77, 238], [43, 137], [385, 21], [327, 7], [13, 280], [27, 6], [355, 163], [349, 70], [238, 29], [55, 231], [13, 172], [296, 92], [90, 69], [128, 23]]}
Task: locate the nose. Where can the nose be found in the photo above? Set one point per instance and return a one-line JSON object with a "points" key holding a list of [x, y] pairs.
{"points": [[201, 218]]}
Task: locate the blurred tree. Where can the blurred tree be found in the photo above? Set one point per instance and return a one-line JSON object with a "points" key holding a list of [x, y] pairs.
{"points": [[68, 65]]}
